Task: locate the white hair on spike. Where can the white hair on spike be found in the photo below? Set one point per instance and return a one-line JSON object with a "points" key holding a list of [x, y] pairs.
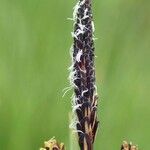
{"points": [[76, 7], [84, 92], [79, 54], [94, 38], [95, 89], [70, 19], [74, 35], [93, 27], [82, 2], [72, 79], [70, 68], [82, 27], [85, 14], [73, 102], [66, 90], [78, 32], [71, 52], [78, 131], [75, 107]]}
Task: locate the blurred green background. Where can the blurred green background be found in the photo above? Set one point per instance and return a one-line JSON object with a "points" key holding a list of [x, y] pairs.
{"points": [[34, 55]]}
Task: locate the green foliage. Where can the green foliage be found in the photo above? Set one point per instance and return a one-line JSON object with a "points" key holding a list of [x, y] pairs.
{"points": [[34, 56]]}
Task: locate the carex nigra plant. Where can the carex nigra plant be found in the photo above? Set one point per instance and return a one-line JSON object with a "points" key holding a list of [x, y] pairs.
{"points": [[83, 75]]}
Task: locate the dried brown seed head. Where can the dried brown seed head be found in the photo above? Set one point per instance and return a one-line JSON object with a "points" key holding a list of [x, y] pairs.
{"points": [[52, 144], [128, 146]]}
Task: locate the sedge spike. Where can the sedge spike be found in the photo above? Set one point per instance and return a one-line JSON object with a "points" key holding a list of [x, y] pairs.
{"points": [[82, 75]]}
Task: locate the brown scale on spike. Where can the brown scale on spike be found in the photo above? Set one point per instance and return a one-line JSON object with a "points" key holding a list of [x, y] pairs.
{"points": [[84, 75]]}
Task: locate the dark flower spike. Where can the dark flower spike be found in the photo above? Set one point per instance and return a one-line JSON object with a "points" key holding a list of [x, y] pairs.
{"points": [[83, 75]]}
